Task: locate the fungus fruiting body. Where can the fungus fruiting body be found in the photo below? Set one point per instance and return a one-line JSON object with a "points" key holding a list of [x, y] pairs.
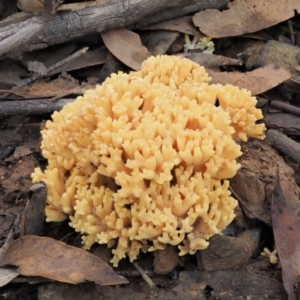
{"points": [[143, 160]]}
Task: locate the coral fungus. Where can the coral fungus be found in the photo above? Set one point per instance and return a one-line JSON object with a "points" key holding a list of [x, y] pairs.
{"points": [[142, 160]]}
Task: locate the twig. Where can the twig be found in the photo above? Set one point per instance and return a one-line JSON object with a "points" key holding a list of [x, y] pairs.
{"points": [[286, 107], [284, 144], [32, 107], [48, 71], [144, 275], [290, 25]]}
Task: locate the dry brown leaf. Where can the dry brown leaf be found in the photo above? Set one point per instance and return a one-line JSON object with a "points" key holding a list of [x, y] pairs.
{"points": [[245, 16], [160, 42], [46, 257], [43, 89], [88, 59], [33, 215], [286, 226], [257, 81], [30, 6], [249, 190], [182, 24], [126, 46]]}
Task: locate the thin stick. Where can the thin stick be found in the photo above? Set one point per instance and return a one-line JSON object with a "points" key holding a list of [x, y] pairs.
{"points": [[32, 107], [290, 25], [144, 275], [286, 107], [48, 71]]}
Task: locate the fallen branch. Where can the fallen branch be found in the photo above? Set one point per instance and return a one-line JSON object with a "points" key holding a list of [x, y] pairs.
{"points": [[19, 35]]}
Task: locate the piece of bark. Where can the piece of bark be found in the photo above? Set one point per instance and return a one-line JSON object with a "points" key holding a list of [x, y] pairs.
{"points": [[284, 144], [31, 107], [36, 33]]}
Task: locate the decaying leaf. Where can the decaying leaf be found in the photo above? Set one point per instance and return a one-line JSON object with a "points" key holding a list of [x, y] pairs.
{"points": [[257, 81], [250, 192], [44, 88], [126, 46], [30, 6], [34, 212], [161, 41], [245, 16], [7, 275], [90, 58], [111, 65], [46, 257], [286, 226], [181, 24]]}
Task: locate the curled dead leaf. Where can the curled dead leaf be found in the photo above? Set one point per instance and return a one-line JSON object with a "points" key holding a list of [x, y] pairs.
{"points": [[126, 46]]}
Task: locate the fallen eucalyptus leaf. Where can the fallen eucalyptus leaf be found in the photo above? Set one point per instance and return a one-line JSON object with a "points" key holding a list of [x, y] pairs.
{"points": [[46, 257], [257, 81], [244, 16], [126, 46], [182, 24], [30, 6]]}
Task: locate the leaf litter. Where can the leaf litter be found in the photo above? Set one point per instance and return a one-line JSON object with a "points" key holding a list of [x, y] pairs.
{"points": [[252, 65]]}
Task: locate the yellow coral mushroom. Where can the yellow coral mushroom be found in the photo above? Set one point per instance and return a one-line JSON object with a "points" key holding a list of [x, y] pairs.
{"points": [[142, 160]]}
